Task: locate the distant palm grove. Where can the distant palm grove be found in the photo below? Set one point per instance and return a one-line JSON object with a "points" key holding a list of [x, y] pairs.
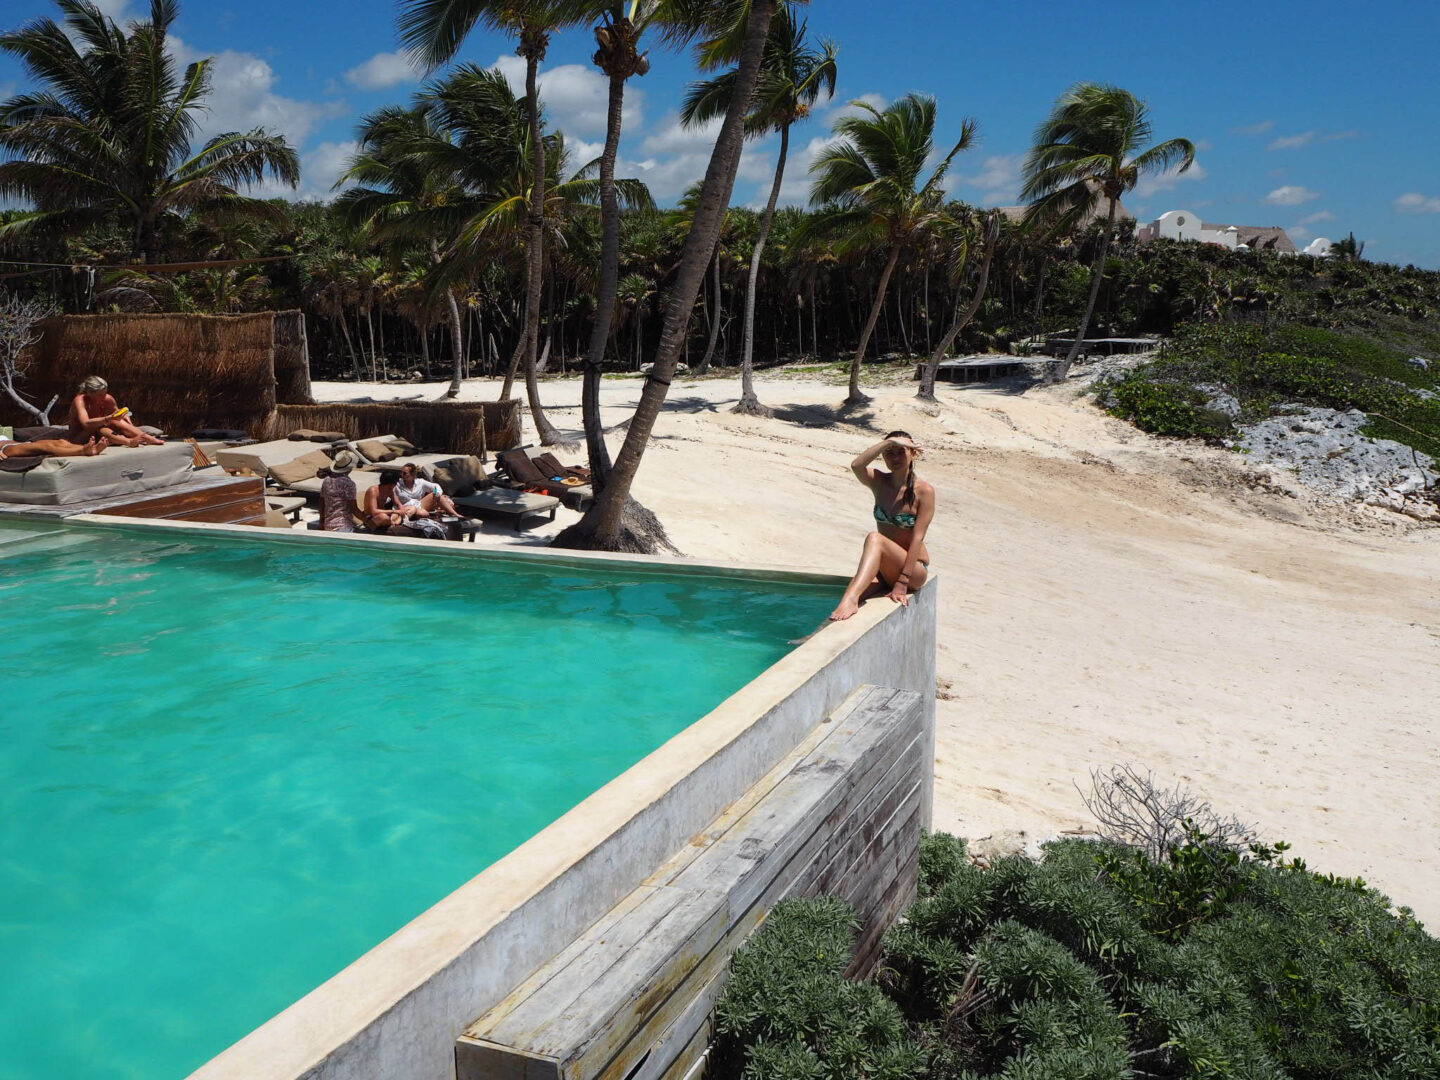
{"points": [[467, 238]]}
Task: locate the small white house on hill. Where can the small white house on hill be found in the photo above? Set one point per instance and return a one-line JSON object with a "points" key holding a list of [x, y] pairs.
{"points": [[1186, 225]]}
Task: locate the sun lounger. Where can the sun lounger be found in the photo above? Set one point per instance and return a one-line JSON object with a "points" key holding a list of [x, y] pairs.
{"points": [[120, 470], [523, 469], [507, 503]]}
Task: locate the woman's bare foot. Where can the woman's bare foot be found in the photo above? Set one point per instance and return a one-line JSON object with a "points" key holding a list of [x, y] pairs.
{"points": [[151, 440], [846, 609], [93, 446]]}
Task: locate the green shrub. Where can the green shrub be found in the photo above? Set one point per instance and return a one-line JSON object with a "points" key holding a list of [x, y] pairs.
{"points": [[788, 1013], [1097, 963], [1263, 368]]}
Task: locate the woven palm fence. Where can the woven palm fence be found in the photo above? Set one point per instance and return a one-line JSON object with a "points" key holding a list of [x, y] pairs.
{"points": [[176, 372], [464, 428]]}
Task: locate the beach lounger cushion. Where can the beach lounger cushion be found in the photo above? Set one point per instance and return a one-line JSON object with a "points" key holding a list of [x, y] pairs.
{"points": [[219, 434], [399, 445], [45, 431], [520, 468], [302, 468], [377, 450], [460, 475], [120, 470]]}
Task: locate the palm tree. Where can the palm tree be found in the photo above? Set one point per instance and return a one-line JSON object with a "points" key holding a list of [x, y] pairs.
{"points": [[792, 78], [601, 527], [1089, 148], [959, 256], [108, 137], [869, 186], [432, 30], [405, 164], [1349, 249]]}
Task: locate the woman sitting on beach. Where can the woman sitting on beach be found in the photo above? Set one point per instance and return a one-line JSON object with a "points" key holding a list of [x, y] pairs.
{"points": [[94, 413], [894, 559]]}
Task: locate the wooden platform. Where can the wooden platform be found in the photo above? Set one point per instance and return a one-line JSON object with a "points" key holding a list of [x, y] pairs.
{"points": [[631, 998], [211, 496]]}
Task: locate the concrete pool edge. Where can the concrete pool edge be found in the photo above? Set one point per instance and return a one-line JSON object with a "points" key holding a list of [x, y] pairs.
{"points": [[397, 1010]]}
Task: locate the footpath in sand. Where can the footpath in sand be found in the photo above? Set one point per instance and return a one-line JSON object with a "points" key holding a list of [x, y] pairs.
{"points": [[1105, 597]]}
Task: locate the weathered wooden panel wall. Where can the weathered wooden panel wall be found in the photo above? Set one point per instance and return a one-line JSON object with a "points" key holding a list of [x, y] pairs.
{"points": [[632, 996]]}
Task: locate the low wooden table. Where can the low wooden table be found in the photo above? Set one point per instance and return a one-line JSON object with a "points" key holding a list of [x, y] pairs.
{"points": [[289, 505], [507, 503]]}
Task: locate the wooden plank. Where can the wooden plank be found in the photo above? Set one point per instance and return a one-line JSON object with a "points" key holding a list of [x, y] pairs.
{"points": [[631, 999], [598, 932], [176, 504]]}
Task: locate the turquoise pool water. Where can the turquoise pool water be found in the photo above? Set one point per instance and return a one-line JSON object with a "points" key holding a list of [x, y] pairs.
{"points": [[228, 768]]}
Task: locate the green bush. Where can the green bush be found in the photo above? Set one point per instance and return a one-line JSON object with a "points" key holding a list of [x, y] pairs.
{"points": [[1097, 963], [1263, 369]]}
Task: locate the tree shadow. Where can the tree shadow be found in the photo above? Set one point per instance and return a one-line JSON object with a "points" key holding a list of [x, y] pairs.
{"points": [[861, 416], [695, 404]]}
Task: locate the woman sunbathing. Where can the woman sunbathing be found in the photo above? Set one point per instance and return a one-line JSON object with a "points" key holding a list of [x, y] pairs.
{"points": [[9, 448], [94, 413], [894, 559]]}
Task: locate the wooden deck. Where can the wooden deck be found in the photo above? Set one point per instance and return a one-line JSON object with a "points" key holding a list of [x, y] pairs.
{"points": [[632, 996], [211, 496]]}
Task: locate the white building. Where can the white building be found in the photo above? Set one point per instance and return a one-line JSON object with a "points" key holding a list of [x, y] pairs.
{"points": [[1186, 225]]}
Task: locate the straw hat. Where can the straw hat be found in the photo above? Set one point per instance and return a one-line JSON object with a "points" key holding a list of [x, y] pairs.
{"points": [[344, 461]]}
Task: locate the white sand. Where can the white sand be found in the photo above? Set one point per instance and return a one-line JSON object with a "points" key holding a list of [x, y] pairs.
{"points": [[1106, 597]]}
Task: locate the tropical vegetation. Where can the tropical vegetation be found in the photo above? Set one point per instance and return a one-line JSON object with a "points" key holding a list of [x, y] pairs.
{"points": [[1102, 961], [465, 233]]}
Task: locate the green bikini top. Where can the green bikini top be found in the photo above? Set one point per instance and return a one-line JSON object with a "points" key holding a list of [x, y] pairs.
{"points": [[900, 519]]}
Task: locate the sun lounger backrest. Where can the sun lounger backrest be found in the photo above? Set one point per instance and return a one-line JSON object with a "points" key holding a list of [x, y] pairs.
{"points": [[521, 469]]}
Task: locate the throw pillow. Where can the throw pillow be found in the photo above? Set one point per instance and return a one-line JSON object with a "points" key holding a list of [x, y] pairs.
{"points": [[301, 435], [302, 468], [375, 450]]}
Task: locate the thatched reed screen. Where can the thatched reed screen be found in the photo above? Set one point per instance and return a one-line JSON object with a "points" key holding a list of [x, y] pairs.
{"points": [[292, 359], [430, 425], [177, 372]]}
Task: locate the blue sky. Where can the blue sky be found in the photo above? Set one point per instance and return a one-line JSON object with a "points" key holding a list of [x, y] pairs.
{"points": [[1319, 116]]}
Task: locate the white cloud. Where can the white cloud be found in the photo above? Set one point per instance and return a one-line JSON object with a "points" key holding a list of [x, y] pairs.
{"points": [[576, 96], [1167, 180], [382, 70], [116, 9], [1293, 142], [242, 97], [1305, 138], [1415, 203], [1319, 215], [670, 137], [1299, 232], [669, 176], [795, 190], [1291, 195], [319, 169], [1255, 129]]}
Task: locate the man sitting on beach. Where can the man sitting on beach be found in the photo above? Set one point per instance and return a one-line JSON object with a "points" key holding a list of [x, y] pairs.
{"points": [[9, 448], [94, 413], [337, 494], [417, 497]]}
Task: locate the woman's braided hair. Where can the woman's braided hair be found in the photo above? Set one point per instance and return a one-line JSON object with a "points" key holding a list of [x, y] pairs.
{"points": [[910, 474]]}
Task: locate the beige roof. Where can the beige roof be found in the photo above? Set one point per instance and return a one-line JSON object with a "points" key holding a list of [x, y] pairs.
{"points": [[1258, 237]]}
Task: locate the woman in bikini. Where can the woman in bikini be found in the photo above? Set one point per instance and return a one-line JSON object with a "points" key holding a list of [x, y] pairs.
{"points": [[895, 560]]}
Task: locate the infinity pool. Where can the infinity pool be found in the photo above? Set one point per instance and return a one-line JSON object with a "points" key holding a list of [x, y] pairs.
{"points": [[228, 768]]}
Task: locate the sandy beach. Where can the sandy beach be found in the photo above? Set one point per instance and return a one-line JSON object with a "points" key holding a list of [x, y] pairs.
{"points": [[1106, 597]]}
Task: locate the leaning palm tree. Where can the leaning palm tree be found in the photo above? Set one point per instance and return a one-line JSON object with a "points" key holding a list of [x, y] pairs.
{"points": [[1089, 148], [872, 190], [792, 78], [958, 238], [107, 136], [432, 30], [604, 525]]}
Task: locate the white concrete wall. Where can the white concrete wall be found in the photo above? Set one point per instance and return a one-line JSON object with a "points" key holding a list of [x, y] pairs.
{"points": [[1179, 225]]}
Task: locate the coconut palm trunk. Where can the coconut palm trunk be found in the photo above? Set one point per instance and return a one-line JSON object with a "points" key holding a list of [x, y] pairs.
{"points": [[855, 397], [534, 48], [715, 315], [601, 526], [749, 403], [1059, 372], [597, 451], [962, 316]]}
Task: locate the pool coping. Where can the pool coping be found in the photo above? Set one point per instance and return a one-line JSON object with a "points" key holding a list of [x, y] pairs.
{"points": [[444, 967]]}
